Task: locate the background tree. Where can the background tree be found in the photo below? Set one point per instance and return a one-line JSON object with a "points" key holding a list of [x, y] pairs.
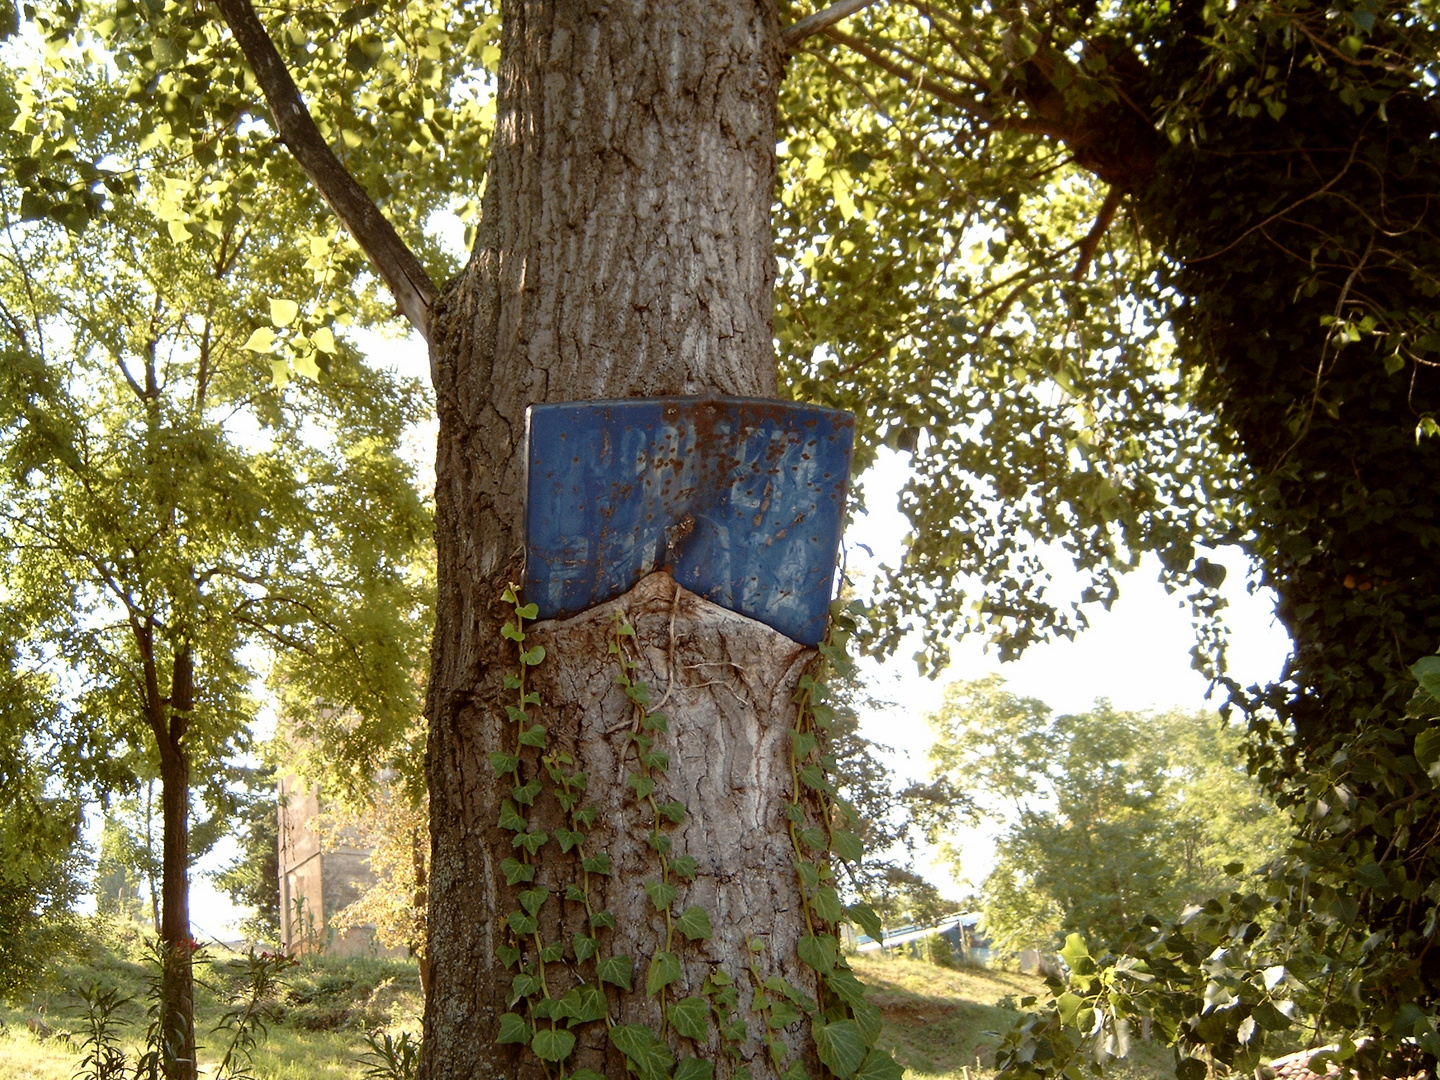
{"points": [[1109, 816], [177, 503]]}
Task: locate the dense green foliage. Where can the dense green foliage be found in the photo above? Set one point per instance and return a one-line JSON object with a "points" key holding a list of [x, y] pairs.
{"points": [[1108, 815], [1327, 942]]}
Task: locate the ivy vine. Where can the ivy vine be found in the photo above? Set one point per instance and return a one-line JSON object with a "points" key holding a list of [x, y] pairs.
{"points": [[821, 824]]}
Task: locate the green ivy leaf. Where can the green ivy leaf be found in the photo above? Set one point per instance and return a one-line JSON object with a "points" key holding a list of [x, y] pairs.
{"points": [[867, 1016], [796, 1071], [569, 838], [867, 919], [531, 842], [827, 904], [510, 817], [513, 1029], [529, 611], [584, 1003], [596, 864], [674, 811], [509, 955], [694, 1069], [880, 1066], [643, 785], [812, 776], [522, 924], [684, 867], [664, 970], [649, 1057], [553, 953], [656, 759], [842, 983], [694, 923], [840, 1046], [534, 736], [585, 947], [512, 633], [525, 794], [691, 1017], [813, 838], [603, 918], [516, 872], [661, 893], [846, 845], [553, 1044], [616, 970], [781, 1014], [586, 817], [586, 1074], [803, 744], [503, 763], [575, 892], [818, 950], [531, 657], [523, 985]]}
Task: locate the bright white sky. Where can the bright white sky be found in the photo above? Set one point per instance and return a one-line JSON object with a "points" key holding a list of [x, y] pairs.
{"points": [[1137, 655]]}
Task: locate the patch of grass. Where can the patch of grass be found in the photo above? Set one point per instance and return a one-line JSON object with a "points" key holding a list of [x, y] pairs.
{"points": [[933, 1019], [324, 1011]]}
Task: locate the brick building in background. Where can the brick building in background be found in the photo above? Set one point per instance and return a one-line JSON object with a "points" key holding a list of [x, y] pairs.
{"points": [[318, 879]]}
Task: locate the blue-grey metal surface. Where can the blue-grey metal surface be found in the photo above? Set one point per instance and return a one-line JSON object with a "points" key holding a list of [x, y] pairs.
{"points": [[741, 499]]}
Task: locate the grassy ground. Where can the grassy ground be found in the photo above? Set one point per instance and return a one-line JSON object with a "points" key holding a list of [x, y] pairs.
{"points": [[323, 1013], [934, 1018]]}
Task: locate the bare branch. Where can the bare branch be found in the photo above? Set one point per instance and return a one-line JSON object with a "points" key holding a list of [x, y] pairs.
{"points": [[401, 270], [797, 32]]}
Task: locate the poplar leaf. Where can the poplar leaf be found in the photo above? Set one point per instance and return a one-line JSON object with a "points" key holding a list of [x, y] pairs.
{"points": [[283, 312], [260, 341], [324, 340], [305, 365]]}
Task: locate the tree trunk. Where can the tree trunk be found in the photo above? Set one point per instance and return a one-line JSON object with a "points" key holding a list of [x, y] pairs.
{"points": [[177, 985], [625, 250]]}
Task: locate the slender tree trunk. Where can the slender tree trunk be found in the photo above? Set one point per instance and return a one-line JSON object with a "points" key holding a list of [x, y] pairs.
{"points": [[176, 944], [625, 250], [150, 856]]}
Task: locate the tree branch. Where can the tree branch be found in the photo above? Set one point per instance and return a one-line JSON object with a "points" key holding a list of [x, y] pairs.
{"points": [[798, 31], [1097, 231], [397, 265]]}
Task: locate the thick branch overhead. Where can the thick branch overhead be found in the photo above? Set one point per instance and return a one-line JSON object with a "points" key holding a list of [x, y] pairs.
{"points": [[396, 263], [814, 24]]}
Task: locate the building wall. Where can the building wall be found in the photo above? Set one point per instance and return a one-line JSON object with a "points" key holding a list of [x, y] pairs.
{"points": [[317, 882]]}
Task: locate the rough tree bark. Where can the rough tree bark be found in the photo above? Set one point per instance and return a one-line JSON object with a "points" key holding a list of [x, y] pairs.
{"points": [[625, 250], [169, 719]]}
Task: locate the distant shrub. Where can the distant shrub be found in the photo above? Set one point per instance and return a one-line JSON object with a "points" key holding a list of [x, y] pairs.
{"points": [[940, 952]]}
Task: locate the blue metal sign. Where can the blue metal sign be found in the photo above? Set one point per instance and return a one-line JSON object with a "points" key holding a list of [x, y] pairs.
{"points": [[741, 499]]}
